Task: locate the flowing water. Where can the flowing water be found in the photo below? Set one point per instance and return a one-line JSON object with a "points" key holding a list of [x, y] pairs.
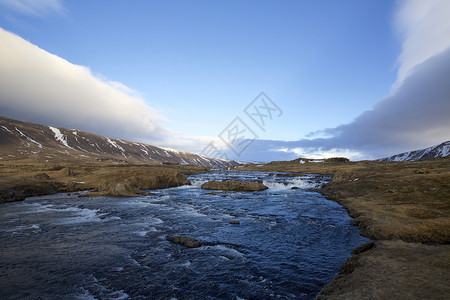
{"points": [[288, 245]]}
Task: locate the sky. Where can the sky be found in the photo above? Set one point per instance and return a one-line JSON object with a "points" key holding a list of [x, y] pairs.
{"points": [[246, 80]]}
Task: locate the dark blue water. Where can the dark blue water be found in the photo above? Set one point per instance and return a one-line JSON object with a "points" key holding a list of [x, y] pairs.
{"points": [[288, 245]]}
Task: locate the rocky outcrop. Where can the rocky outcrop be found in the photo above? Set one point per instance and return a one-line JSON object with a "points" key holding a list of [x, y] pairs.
{"points": [[235, 185], [185, 241], [27, 189], [133, 186], [119, 189], [18, 181]]}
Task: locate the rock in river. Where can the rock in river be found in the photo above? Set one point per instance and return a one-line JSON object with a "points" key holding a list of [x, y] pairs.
{"points": [[185, 241], [235, 185]]}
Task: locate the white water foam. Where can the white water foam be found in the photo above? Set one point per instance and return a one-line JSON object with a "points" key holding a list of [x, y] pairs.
{"points": [[289, 183], [107, 293], [222, 248], [141, 233], [154, 221], [144, 233], [84, 295], [21, 228], [191, 211], [152, 229], [197, 182], [187, 264], [82, 215], [72, 215]]}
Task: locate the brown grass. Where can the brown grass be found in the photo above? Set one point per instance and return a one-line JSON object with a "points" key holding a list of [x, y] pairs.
{"points": [[20, 179]]}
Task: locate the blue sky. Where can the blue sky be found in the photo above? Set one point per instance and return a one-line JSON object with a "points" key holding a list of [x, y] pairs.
{"points": [[197, 64]]}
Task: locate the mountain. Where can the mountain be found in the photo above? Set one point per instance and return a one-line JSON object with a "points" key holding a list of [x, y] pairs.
{"points": [[441, 150], [20, 140]]}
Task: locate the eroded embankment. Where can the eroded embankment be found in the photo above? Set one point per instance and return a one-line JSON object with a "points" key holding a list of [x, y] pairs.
{"points": [[408, 220], [393, 269], [18, 181]]}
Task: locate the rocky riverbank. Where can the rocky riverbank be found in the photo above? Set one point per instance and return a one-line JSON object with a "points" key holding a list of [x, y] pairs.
{"points": [[22, 179], [393, 269], [404, 208]]}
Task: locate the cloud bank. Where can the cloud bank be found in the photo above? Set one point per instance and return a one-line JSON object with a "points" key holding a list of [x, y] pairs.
{"points": [[424, 27], [417, 112], [38, 86]]}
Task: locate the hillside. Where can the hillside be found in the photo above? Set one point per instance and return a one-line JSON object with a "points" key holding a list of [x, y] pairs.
{"points": [[441, 150], [22, 140]]}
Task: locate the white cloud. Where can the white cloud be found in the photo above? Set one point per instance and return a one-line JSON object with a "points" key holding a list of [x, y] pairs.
{"points": [[424, 27], [38, 86], [300, 152], [38, 8], [417, 112]]}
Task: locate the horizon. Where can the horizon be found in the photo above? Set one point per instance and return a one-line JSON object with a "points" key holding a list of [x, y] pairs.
{"points": [[251, 81], [424, 150]]}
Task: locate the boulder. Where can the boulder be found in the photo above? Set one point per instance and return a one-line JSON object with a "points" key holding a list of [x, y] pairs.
{"points": [[185, 241], [235, 185]]}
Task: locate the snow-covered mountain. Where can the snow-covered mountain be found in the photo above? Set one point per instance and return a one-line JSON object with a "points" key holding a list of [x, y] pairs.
{"points": [[29, 140], [441, 150]]}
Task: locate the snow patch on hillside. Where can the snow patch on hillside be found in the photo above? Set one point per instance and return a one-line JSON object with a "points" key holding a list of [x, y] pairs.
{"points": [[114, 144], [445, 151], [60, 137], [6, 128], [441, 150], [28, 138]]}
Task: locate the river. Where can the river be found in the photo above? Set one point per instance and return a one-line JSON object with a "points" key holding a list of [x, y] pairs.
{"points": [[288, 244]]}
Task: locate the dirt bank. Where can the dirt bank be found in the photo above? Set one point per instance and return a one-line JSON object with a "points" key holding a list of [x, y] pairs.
{"points": [[393, 270], [21, 179]]}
